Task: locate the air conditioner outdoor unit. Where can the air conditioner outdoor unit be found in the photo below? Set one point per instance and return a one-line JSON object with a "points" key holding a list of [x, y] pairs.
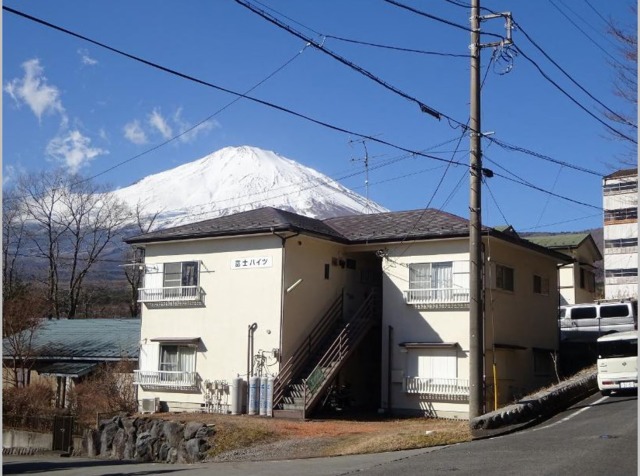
{"points": [[150, 405]]}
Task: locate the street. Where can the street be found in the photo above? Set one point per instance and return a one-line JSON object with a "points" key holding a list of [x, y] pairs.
{"points": [[597, 436]]}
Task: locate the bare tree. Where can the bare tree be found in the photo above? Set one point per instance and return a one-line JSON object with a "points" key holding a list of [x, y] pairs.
{"points": [[71, 222], [21, 319], [134, 270], [625, 84], [13, 236]]}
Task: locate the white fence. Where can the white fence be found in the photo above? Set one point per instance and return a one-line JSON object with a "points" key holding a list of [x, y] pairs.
{"points": [[446, 387]]}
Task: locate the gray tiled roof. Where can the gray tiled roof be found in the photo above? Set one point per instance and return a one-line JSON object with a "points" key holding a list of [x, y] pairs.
{"points": [[353, 229], [261, 220], [85, 339], [394, 226]]}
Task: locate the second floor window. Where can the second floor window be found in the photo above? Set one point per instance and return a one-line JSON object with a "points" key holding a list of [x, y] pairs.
{"points": [[180, 274], [504, 278], [431, 275]]}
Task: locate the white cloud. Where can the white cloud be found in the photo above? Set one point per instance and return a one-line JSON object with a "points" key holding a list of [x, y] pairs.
{"points": [[160, 124], [134, 132], [190, 134], [85, 58], [73, 150], [33, 90]]}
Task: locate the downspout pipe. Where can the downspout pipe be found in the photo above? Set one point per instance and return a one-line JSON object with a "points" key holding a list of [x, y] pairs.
{"points": [[250, 332], [283, 239]]}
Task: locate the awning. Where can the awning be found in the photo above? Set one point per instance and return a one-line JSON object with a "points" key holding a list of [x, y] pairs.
{"points": [[177, 340], [67, 369], [428, 345]]}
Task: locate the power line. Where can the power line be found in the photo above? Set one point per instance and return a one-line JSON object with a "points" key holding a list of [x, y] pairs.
{"points": [[622, 119], [229, 104], [263, 14], [438, 19], [575, 101], [396, 48], [226, 90], [522, 150], [348, 40], [582, 31]]}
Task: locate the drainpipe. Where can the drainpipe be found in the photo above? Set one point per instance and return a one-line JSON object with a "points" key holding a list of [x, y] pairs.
{"points": [[252, 329], [283, 291]]}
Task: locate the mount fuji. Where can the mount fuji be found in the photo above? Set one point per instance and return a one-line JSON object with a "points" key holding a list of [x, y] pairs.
{"points": [[235, 179]]}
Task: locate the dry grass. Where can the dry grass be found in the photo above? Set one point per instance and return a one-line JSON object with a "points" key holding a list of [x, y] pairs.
{"points": [[328, 437]]}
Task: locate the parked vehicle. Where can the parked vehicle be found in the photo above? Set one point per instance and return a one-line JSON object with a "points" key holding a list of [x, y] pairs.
{"points": [[618, 362], [587, 322]]}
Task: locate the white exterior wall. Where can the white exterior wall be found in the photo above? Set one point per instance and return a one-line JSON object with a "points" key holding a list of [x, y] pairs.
{"points": [[520, 319], [625, 257], [413, 325], [568, 286], [234, 299]]}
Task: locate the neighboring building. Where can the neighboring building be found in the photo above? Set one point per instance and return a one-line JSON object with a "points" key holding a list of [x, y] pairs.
{"points": [[377, 304], [620, 203], [577, 279], [63, 351]]}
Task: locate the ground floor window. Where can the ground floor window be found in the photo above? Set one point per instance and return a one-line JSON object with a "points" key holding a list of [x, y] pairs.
{"points": [[177, 358]]}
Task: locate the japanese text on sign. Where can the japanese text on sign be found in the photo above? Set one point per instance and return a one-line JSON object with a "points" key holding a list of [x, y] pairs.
{"points": [[246, 263]]}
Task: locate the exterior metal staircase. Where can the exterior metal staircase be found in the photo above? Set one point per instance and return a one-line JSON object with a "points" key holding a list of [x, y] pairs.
{"points": [[306, 376]]}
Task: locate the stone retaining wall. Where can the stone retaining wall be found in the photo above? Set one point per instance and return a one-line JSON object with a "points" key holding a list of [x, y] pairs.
{"points": [[535, 408], [149, 440]]}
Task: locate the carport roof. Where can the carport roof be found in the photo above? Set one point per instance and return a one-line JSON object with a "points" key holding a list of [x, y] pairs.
{"points": [[84, 339]]}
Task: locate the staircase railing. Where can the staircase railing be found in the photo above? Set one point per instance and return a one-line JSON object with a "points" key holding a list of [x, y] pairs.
{"points": [[338, 352], [295, 364]]}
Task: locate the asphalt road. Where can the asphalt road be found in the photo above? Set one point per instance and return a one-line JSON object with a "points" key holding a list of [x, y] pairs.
{"points": [[599, 436]]}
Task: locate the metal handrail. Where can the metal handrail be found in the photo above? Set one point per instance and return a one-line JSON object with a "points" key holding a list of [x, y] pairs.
{"points": [[339, 350], [292, 367], [436, 295]]}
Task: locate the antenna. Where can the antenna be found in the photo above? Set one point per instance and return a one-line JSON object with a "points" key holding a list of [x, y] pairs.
{"points": [[368, 207]]}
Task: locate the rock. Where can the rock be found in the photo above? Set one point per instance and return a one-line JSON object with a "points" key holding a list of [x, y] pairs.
{"points": [[173, 433], [106, 437], [144, 447], [191, 429], [119, 443]]}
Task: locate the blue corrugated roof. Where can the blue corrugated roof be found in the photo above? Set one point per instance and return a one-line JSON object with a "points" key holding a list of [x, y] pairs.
{"points": [[86, 339]]}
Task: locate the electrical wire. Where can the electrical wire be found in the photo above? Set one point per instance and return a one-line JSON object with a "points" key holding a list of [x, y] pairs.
{"points": [[538, 155], [397, 48], [539, 48], [226, 90], [198, 124], [575, 101], [320, 46], [438, 19], [570, 20]]}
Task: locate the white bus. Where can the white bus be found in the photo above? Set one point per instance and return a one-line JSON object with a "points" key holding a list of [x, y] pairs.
{"points": [[618, 362]]}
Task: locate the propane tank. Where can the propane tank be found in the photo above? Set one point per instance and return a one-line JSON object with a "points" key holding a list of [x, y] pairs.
{"points": [[236, 396], [270, 382], [254, 396], [263, 396]]}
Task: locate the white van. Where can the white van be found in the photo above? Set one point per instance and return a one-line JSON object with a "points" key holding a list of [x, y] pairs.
{"points": [[618, 362], [587, 322]]}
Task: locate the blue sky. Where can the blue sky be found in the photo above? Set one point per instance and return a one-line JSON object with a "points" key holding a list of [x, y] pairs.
{"points": [[70, 103]]}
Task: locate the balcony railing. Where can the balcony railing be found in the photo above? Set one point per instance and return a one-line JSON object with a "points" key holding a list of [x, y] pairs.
{"points": [[165, 378], [177, 294], [454, 388], [437, 297]]}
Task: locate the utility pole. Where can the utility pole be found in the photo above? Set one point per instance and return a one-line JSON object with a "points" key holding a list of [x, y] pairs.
{"points": [[476, 273], [476, 321]]}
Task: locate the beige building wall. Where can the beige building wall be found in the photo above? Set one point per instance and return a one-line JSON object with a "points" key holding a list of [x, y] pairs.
{"points": [[234, 299], [407, 323]]}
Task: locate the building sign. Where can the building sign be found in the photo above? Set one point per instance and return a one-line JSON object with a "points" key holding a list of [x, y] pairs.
{"points": [[246, 263]]}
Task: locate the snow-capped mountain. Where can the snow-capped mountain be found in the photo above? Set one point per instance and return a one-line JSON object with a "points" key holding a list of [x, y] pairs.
{"points": [[236, 179]]}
